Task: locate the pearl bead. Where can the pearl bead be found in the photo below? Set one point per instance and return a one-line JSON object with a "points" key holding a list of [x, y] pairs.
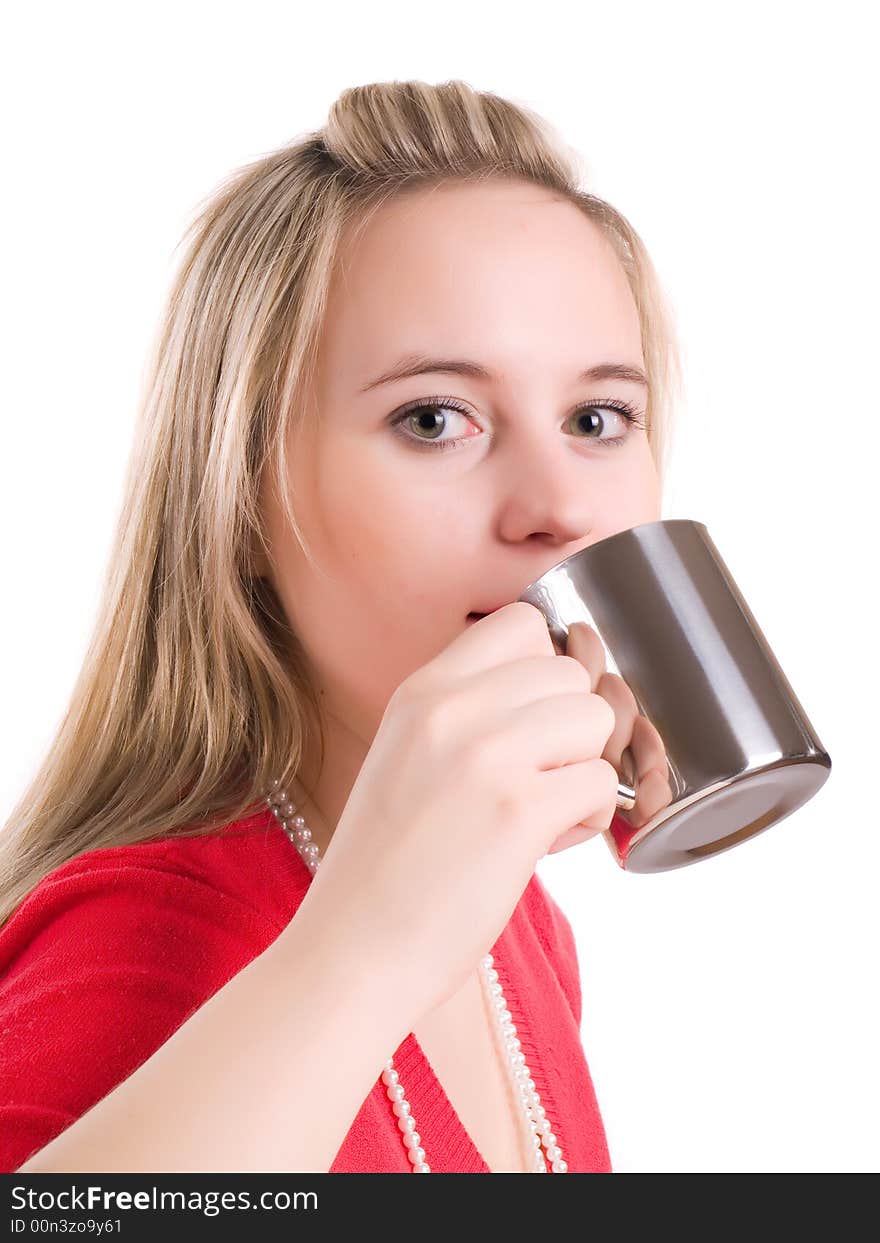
{"points": [[534, 1118]]}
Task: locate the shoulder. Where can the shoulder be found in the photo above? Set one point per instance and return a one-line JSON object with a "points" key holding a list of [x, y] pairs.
{"points": [[214, 898], [112, 951]]}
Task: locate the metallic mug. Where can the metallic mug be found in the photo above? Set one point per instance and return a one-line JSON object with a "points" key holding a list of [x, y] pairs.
{"points": [[741, 752]]}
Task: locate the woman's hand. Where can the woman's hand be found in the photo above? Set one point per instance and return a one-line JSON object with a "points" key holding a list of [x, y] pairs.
{"points": [[634, 748], [481, 760]]}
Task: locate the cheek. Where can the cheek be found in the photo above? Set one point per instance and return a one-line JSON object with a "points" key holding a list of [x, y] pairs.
{"points": [[636, 498], [382, 524], [391, 559], [379, 531], [645, 499], [627, 497]]}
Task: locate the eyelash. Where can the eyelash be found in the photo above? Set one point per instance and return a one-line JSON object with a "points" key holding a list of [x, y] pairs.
{"points": [[623, 408]]}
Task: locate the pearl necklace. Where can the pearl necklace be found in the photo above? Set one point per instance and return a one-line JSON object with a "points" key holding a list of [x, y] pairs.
{"points": [[539, 1128]]}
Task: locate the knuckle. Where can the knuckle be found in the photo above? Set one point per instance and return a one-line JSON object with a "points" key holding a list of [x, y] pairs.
{"points": [[489, 756], [434, 719], [419, 709], [508, 805], [483, 766], [406, 691], [605, 713], [529, 612], [578, 672], [608, 775], [533, 617]]}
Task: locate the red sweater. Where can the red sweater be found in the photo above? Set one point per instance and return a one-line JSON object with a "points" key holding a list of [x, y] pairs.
{"points": [[114, 950]]}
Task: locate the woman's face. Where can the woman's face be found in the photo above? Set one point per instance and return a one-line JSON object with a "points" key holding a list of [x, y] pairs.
{"points": [[459, 507]]}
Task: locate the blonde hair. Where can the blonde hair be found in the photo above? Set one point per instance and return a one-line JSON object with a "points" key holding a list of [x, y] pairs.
{"points": [[194, 692]]}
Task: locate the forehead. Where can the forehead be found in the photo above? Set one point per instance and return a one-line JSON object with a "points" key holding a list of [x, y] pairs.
{"points": [[506, 265]]}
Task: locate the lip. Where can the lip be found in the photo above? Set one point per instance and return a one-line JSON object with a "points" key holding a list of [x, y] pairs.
{"points": [[477, 613]]}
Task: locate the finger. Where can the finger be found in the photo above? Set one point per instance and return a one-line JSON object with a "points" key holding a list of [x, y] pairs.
{"points": [[653, 792], [620, 698], [647, 747], [572, 837], [586, 646], [651, 768]]}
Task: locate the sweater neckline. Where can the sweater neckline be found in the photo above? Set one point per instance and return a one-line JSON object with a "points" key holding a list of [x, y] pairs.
{"points": [[431, 1107]]}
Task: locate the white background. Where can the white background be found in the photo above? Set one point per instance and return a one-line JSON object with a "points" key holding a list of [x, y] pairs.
{"points": [[729, 1007]]}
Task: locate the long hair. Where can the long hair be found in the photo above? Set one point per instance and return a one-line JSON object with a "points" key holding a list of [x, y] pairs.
{"points": [[194, 692]]}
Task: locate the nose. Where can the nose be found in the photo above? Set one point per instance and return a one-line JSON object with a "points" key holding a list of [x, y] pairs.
{"points": [[546, 490]]}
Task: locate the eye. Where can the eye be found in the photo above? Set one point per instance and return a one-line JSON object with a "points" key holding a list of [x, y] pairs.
{"points": [[426, 411], [587, 417]]}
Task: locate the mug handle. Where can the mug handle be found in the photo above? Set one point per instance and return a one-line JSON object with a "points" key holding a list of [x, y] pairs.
{"points": [[626, 796]]}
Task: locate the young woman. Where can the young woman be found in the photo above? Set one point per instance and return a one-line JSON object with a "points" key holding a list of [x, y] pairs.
{"points": [[407, 365]]}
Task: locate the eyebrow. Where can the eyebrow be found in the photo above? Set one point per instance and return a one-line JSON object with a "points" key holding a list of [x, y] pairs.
{"points": [[418, 364]]}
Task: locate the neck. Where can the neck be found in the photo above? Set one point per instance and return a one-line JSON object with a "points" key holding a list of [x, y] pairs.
{"points": [[320, 798]]}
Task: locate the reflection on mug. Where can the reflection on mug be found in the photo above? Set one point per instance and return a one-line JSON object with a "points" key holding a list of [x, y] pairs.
{"points": [[709, 734], [634, 747]]}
